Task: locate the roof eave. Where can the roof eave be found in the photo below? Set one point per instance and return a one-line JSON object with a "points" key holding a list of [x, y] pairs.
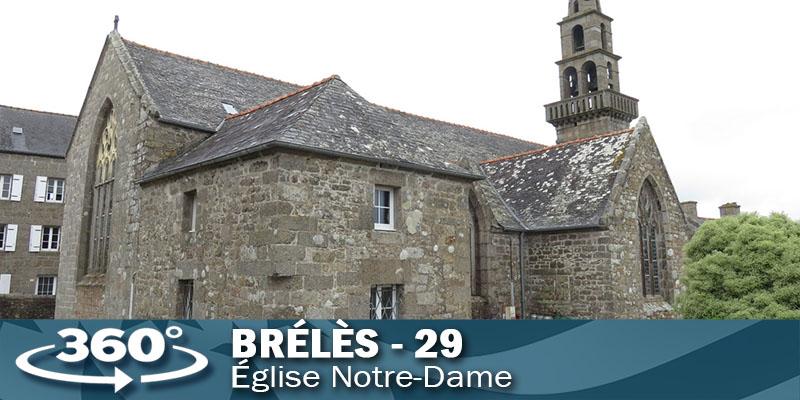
{"points": [[32, 153], [310, 149], [564, 228], [184, 124]]}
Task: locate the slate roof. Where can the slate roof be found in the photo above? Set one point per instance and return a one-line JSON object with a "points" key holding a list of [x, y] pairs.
{"points": [[43, 133], [562, 187], [331, 118], [190, 92]]}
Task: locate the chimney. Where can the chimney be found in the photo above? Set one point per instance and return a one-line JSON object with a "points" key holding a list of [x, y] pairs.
{"points": [[729, 210], [690, 209]]}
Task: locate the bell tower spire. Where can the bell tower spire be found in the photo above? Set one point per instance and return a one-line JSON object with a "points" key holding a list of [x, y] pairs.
{"points": [[591, 102]]}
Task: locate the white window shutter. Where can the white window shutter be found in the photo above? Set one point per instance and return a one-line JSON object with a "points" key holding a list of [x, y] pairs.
{"points": [[5, 283], [41, 189], [16, 188], [11, 238], [36, 239]]}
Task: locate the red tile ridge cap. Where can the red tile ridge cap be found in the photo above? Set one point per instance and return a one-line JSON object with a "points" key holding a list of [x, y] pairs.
{"points": [[285, 96]]}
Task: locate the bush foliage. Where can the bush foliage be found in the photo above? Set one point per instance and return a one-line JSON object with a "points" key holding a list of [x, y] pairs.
{"points": [[744, 267]]}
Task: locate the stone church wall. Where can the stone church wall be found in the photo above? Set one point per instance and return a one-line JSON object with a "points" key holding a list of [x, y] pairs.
{"points": [[597, 274], [141, 141], [291, 235]]}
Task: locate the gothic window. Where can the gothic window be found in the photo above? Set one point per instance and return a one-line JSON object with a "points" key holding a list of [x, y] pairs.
{"points": [[651, 237], [575, 6], [590, 71], [571, 77], [103, 195], [577, 38]]}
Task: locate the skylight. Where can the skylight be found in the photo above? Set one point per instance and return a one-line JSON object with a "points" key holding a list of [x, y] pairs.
{"points": [[17, 130], [229, 108]]}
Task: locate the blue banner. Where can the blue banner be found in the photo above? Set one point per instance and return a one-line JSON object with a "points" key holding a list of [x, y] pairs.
{"points": [[399, 359]]}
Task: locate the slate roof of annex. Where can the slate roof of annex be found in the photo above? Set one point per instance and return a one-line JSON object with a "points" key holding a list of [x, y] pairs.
{"points": [[43, 133], [566, 186]]}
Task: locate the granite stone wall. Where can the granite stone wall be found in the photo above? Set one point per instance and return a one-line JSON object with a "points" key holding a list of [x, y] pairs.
{"points": [[291, 235], [17, 306]]}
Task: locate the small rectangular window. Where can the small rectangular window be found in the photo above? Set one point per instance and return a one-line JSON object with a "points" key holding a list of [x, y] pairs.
{"points": [[51, 237], [5, 187], [185, 298], [2, 237], [190, 211], [46, 286], [383, 215], [55, 190], [385, 302]]}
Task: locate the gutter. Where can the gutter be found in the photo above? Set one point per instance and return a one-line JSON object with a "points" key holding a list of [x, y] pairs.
{"points": [[293, 146]]}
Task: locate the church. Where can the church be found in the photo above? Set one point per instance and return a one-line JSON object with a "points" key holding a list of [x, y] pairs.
{"points": [[202, 191]]}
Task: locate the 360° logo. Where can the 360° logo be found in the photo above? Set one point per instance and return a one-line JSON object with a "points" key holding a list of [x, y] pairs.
{"points": [[106, 346]]}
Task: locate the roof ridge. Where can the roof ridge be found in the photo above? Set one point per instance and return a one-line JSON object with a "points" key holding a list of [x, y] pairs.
{"points": [[38, 111], [560, 145], [284, 97], [197, 60], [483, 131]]}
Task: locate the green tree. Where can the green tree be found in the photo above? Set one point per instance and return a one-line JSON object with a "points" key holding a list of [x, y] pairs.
{"points": [[744, 267]]}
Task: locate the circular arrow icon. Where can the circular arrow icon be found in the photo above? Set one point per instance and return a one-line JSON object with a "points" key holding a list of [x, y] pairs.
{"points": [[120, 379]]}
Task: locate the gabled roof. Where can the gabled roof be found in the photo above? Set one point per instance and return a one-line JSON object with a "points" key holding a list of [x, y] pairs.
{"points": [[331, 118], [190, 92], [43, 133], [566, 186]]}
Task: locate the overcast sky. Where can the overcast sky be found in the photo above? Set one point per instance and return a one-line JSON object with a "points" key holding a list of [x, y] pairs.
{"points": [[714, 77]]}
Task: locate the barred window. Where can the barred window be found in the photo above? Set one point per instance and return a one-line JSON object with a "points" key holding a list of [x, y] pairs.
{"points": [[103, 196], [185, 303], [46, 286], [385, 302], [651, 239]]}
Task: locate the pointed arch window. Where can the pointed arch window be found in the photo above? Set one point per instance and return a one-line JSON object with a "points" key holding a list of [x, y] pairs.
{"points": [[103, 195], [651, 238], [578, 43]]}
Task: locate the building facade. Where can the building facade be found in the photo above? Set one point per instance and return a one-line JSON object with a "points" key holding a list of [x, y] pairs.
{"points": [[201, 191], [32, 189]]}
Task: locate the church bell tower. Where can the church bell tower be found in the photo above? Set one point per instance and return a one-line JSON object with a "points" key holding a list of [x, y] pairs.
{"points": [[591, 102]]}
